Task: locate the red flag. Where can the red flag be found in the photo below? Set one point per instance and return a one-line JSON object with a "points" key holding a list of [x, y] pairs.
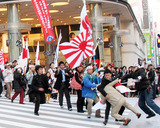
{"points": [[43, 15]]}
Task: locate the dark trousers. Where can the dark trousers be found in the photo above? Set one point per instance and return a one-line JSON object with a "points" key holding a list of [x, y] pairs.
{"points": [[1, 88], [21, 95], [67, 95], [147, 98], [108, 106], [40, 98], [31, 94], [80, 101], [154, 87]]}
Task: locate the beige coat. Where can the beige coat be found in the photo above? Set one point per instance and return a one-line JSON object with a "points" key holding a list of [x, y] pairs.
{"points": [[114, 95]]}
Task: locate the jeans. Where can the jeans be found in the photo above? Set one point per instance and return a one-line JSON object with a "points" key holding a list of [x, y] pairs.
{"points": [[154, 88], [146, 98]]}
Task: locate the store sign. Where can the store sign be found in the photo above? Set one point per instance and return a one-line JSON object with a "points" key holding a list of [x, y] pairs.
{"points": [[43, 15], [148, 44]]}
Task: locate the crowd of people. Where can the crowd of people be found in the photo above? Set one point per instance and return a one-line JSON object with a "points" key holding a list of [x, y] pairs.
{"points": [[87, 81]]}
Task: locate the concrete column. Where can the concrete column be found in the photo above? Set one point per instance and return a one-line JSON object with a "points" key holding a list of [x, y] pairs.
{"points": [[49, 59], [13, 34], [115, 39], [95, 11]]}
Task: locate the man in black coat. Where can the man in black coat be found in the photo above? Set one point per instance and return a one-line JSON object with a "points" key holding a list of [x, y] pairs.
{"points": [[1, 80], [40, 87], [151, 77], [145, 92], [62, 84]]}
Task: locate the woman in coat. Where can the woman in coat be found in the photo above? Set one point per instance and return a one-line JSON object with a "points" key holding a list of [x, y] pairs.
{"points": [[79, 80], [8, 78], [29, 77], [19, 85]]}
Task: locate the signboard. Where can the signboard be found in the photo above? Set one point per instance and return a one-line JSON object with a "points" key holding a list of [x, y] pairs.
{"points": [[148, 44]]}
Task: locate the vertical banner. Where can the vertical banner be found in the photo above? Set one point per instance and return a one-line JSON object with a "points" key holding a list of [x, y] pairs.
{"points": [[148, 45], [42, 11]]}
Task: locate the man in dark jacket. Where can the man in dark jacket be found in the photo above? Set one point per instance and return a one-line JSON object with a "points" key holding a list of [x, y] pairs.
{"points": [[1, 80], [151, 77], [40, 87], [62, 84], [145, 92]]}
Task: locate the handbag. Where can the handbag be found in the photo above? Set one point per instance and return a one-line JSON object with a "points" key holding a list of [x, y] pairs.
{"points": [[75, 85]]}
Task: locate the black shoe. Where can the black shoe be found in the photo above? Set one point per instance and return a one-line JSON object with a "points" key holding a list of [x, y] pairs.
{"points": [[149, 116], [21, 103], [36, 113], [11, 101], [105, 122], [80, 111]]}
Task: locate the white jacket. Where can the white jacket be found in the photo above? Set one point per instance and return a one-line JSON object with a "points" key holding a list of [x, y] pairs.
{"points": [[8, 75]]}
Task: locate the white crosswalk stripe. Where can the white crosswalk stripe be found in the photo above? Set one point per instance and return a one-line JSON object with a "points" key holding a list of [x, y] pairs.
{"points": [[17, 115]]}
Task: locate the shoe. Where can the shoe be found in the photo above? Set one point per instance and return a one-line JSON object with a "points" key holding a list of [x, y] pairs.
{"points": [[80, 111], [119, 120], [36, 113], [99, 116], [6, 96], [105, 122], [62, 107], [83, 111], [89, 116], [138, 115], [70, 109], [11, 101], [0, 96], [21, 103], [127, 121], [149, 116]]}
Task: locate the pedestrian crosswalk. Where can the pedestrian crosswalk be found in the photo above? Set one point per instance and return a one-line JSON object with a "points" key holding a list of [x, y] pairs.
{"points": [[17, 115]]}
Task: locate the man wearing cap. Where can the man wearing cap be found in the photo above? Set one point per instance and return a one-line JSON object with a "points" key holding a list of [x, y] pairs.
{"points": [[145, 92], [89, 90]]}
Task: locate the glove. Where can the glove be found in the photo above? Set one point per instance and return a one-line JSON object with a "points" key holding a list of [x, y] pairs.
{"points": [[139, 77]]}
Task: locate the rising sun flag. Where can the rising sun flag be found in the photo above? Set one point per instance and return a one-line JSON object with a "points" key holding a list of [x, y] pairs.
{"points": [[81, 47]]}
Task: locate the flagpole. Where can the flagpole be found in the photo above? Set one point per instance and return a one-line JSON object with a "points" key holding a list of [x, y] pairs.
{"points": [[57, 50], [84, 4]]}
